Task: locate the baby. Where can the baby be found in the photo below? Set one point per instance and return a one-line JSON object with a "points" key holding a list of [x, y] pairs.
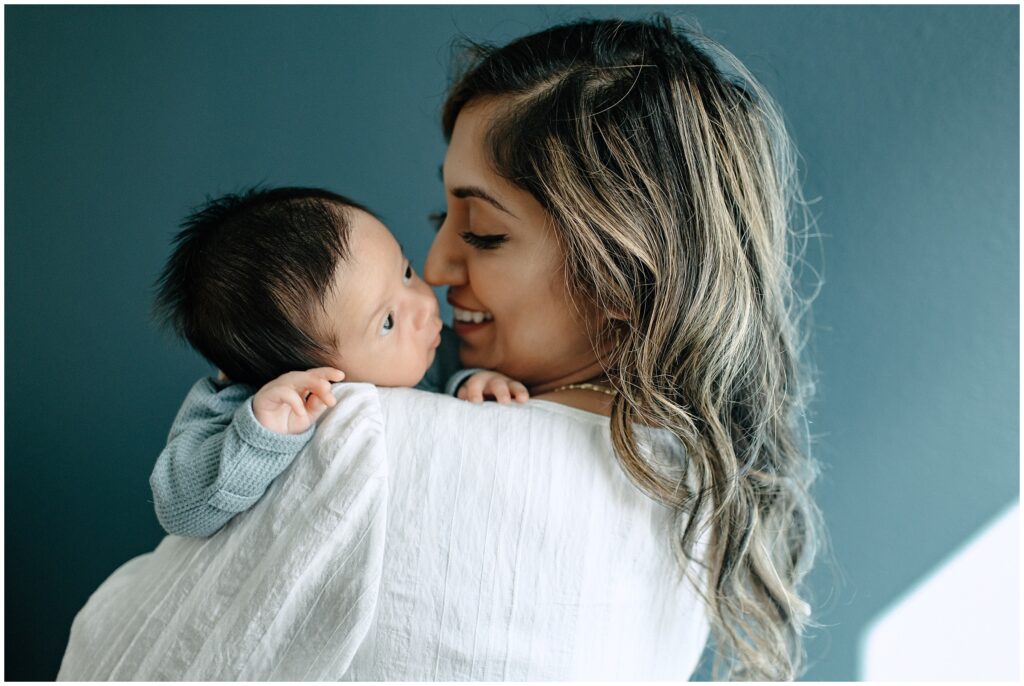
{"points": [[283, 289]]}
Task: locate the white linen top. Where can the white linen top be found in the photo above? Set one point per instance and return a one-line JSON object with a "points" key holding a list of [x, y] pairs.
{"points": [[517, 549], [417, 537]]}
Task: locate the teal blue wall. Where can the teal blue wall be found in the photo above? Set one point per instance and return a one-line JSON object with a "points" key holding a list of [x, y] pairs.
{"points": [[118, 119]]}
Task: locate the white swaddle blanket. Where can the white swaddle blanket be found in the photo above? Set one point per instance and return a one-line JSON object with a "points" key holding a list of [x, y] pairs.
{"points": [[417, 537]]}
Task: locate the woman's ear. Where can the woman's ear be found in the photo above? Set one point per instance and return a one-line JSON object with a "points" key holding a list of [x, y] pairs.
{"points": [[612, 315], [616, 315]]}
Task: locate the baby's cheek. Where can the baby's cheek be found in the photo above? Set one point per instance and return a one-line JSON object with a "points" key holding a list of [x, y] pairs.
{"points": [[397, 366]]}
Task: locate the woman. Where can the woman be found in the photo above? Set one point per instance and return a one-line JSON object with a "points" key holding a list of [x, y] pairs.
{"points": [[664, 188], [618, 215]]}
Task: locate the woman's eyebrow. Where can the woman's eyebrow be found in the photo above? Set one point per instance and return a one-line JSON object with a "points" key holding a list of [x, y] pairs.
{"points": [[475, 192]]}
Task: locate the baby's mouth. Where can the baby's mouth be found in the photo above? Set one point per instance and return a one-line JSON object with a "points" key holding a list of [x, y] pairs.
{"points": [[471, 316]]}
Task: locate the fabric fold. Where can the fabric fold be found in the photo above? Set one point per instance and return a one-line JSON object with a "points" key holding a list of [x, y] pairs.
{"points": [[286, 591]]}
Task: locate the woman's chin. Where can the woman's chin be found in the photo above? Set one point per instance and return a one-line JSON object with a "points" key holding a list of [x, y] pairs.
{"points": [[473, 356], [476, 341]]}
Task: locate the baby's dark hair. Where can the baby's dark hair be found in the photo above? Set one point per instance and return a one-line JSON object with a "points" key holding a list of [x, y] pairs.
{"points": [[248, 276]]}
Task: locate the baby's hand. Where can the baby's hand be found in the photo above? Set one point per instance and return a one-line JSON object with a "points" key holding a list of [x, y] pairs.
{"points": [[494, 385], [292, 402]]}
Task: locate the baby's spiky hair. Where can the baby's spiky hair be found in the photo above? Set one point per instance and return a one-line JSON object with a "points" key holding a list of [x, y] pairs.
{"points": [[248, 277]]}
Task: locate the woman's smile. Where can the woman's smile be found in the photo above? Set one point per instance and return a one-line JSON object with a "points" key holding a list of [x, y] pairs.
{"points": [[466, 321], [470, 316]]}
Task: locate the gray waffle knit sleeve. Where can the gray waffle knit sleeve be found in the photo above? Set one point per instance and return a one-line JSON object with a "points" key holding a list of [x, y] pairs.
{"points": [[219, 460]]}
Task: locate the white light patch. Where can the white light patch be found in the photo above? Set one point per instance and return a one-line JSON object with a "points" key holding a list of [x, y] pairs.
{"points": [[960, 623]]}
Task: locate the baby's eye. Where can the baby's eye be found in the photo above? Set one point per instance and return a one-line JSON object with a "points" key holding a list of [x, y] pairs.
{"points": [[389, 323], [407, 277]]}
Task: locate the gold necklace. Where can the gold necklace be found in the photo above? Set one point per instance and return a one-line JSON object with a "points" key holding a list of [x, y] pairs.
{"points": [[585, 387]]}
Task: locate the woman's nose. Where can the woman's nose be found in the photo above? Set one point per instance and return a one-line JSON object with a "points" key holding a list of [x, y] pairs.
{"points": [[444, 265]]}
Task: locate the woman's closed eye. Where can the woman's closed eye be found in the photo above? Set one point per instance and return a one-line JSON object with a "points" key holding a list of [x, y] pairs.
{"points": [[488, 241], [484, 241]]}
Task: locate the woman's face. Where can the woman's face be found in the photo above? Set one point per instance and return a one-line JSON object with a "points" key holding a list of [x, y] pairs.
{"points": [[497, 253]]}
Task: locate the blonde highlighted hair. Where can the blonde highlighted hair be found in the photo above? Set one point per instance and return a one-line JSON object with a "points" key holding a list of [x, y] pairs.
{"points": [[671, 181]]}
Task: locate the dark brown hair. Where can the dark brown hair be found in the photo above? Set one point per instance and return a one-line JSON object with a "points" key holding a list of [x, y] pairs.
{"points": [[247, 276]]}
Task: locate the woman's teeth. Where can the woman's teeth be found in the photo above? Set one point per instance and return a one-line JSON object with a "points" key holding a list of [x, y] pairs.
{"points": [[471, 316]]}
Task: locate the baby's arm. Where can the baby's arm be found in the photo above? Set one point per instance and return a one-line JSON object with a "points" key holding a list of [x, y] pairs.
{"points": [[223, 450]]}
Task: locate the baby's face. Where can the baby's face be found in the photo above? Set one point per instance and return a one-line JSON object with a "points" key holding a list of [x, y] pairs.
{"points": [[384, 318]]}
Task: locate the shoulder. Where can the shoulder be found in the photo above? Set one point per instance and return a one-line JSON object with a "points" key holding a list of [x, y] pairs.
{"points": [[422, 413], [434, 427], [358, 413], [401, 406], [435, 442], [587, 401]]}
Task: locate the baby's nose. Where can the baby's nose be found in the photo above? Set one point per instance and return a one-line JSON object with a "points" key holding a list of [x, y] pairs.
{"points": [[429, 311]]}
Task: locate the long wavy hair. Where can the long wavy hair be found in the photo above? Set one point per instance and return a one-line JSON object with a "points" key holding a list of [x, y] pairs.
{"points": [[671, 182]]}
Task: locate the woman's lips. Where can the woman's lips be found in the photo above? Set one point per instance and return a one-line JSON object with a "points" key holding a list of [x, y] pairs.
{"points": [[462, 328], [466, 321], [461, 314]]}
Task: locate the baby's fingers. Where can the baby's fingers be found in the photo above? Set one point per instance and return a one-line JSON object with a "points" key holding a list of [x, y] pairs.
{"points": [[314, 402], [474, 390], [329, 373], [499, 389], [315, 407], [292, 400], [519, 391], [320, 389]]}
